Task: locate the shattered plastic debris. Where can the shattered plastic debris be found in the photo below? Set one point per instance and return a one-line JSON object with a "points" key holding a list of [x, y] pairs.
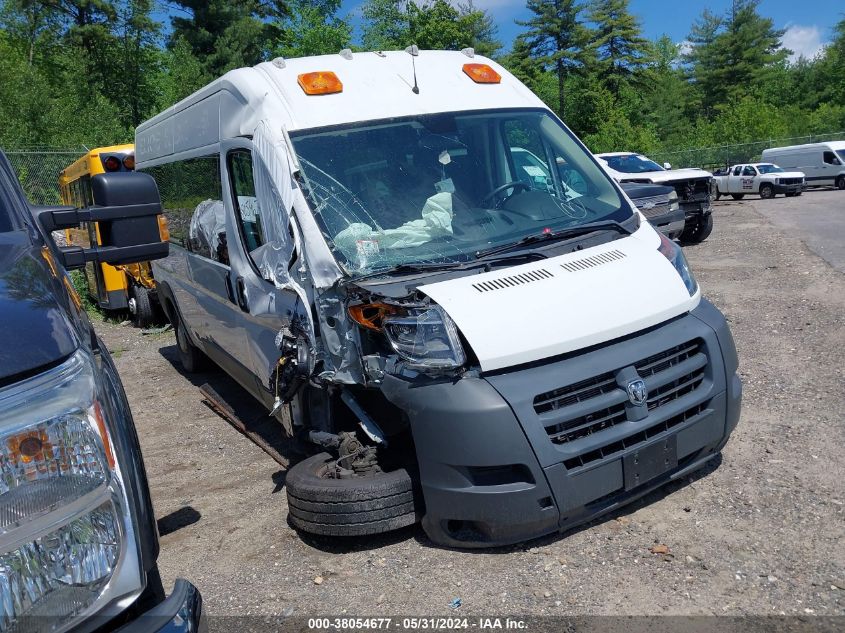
{"points": [[659, 549], [455, 604]]}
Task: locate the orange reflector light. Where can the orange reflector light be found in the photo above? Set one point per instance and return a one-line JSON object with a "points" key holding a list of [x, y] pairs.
{"points": [[129, 162], [370, 315], [482, 74], [323, 82], [163, 230]]}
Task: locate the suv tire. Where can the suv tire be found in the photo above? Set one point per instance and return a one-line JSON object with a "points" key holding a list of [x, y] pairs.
{"points": [[767, 192], [348, 507], [699, 231]]}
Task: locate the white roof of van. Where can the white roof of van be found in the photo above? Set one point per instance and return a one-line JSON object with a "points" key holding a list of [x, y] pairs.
{"points": [[375, 86], [609, 154], [835, 145]]}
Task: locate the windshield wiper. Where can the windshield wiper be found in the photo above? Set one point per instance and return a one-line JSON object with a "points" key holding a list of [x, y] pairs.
{"points": [[436, 266], [554, 236]]}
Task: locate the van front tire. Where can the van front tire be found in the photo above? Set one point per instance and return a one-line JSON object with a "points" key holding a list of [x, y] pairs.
{"points": [[840, 183], [358, 506], [192, 359]]}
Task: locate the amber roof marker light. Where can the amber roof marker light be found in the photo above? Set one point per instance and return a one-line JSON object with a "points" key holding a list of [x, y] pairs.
{"points": [[321, 82], [482, 74]]}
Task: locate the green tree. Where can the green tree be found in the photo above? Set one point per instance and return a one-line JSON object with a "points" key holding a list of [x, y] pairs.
{"points": [[430, 24], [227, 34], [620, 49], [734, 55], [556, 39], [313, 28]]}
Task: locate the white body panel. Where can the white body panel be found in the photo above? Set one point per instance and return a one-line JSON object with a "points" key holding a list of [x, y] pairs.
{"points": [[375, 86], [575, 301], [809, 159]]}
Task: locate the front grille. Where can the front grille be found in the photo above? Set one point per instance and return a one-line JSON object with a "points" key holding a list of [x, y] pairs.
{"points": [[692, 190], [790, 181], [598, 403], [653, 206]]}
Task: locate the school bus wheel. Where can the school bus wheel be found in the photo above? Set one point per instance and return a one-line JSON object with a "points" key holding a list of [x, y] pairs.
{"points": [[141, 306]]}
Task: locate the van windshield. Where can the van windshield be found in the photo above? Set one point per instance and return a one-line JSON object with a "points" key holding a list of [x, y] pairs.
{"points": [[841, 153], [440, 188]]}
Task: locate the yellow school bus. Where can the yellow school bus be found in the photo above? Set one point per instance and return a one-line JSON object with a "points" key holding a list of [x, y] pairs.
{"points": [[115, 288]]}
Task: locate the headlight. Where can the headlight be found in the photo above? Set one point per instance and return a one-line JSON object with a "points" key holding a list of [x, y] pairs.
{"points": [[426, 338], [67, 543], [674, 205], [675, 255]]}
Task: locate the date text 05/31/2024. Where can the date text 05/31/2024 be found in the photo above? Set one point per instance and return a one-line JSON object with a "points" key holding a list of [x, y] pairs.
{"points": [[415, 623]]}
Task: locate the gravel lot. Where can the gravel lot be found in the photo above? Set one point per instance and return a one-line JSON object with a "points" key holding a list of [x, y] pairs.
{"points": [[761, 533]]}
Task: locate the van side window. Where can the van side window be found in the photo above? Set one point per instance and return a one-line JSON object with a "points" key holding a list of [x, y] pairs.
{"points": [[188, 188], [245, 202], [831, 159]]}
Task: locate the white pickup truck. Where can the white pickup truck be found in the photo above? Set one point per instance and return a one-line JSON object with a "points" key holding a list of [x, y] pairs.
{"points": [[765, 179]]}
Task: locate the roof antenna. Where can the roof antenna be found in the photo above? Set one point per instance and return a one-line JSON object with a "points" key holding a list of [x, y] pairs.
{"points": [[413, 51]]}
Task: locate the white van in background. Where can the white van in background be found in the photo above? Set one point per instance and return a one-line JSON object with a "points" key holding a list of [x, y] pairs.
{"points": [[822, 163]]}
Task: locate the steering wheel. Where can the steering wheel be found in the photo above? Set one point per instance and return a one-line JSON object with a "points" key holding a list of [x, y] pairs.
{"points": [[516, 184]]}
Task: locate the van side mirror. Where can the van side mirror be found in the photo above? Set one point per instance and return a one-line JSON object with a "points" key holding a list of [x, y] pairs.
{"points": [[126, 211], [667, 165]]}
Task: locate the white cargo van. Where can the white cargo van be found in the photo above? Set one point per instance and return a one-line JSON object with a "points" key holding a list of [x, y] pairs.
{"points": [[823, 164], [461, 336]]}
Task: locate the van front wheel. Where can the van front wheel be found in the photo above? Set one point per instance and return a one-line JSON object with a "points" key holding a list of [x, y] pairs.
{"points": [[840, 183], [321, 504], [192, 359]]}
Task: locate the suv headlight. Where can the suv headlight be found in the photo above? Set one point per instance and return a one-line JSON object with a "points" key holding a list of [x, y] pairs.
{"points": [[675, 255], [67, 542], [426, 338], [674, 205]]}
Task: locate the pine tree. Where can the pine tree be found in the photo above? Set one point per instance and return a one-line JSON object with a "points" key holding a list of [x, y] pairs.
{"points": [[556, 39], [227, 34], [313, 28], [619, 47]]}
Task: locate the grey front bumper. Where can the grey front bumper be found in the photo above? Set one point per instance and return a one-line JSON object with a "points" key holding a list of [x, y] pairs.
{"points": [[181, 612], [490, 472]]}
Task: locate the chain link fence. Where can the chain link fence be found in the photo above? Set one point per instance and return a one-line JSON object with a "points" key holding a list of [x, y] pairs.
{"points": [[717, 156], [38, 171]]}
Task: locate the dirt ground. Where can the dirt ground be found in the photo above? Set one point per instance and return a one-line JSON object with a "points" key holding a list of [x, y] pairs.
{"points": [[760, 533]]}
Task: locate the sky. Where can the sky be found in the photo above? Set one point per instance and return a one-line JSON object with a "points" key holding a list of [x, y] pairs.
{"points": [[808, 23]]}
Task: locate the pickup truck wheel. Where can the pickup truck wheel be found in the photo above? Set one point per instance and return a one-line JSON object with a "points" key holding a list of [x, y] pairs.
{"points": [[192, 359], [699, 231], [767, 192], [372, 504], [737, 196], [141, 306], [716, 194]]}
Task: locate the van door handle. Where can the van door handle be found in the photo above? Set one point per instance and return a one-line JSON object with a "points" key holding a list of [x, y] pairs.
{"points": [[241, 294]]}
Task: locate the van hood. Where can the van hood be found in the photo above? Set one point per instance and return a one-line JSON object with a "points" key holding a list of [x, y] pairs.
{"points": [[35, 331], [658, 177], [562, 304]]}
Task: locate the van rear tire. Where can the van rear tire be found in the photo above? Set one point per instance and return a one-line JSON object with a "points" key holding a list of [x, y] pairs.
{"points": [[357, 506], [840, 183], [190, 356]]}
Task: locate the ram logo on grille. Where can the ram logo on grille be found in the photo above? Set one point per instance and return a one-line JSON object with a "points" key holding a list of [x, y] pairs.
{"points": [[637, 392]]}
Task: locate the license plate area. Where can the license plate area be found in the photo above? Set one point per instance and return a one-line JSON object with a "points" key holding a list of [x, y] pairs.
{"points": [[650, 461]]}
